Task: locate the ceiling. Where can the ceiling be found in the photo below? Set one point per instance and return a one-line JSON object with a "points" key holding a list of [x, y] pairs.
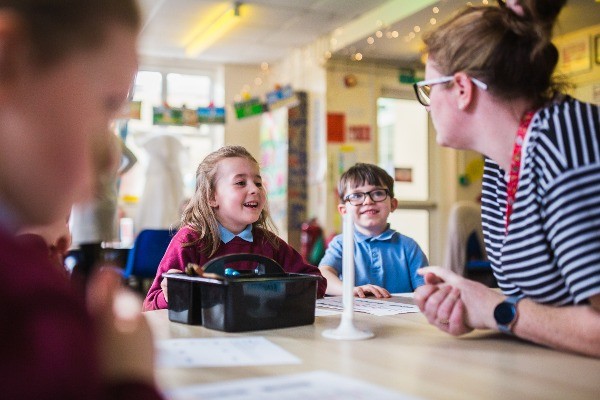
{"points": [[270, 29]]}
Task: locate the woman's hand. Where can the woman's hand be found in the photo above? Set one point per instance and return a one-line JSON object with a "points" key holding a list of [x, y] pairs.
{"points": [[125, 346], [454, 304], [377, 291], [163, 283]]}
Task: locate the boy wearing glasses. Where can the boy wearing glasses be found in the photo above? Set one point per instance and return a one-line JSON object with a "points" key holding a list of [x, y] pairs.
{"points": [[385, 261]]}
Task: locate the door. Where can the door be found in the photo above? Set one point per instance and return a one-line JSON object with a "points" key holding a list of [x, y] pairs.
{"points": [[403, 151]]}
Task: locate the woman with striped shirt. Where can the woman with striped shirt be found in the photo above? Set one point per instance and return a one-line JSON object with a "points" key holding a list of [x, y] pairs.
{"points": [[489, 88]]}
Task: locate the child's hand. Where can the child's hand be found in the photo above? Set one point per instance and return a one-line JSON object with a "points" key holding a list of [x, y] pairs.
{"points": [[163, 284], [365, 290], [125, 346]]}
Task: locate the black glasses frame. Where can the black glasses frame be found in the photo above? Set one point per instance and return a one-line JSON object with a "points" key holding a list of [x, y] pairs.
{"points": [[364, 197]]}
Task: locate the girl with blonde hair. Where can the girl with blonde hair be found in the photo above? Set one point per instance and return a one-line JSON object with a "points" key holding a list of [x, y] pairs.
{"points": [[227, 214]]}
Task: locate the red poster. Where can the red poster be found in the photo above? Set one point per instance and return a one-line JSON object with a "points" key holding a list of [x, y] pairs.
{"points": [[335, 127], [359, 133]]}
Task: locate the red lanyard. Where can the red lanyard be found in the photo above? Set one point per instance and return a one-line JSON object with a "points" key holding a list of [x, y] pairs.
{"points": [[515, 165]]}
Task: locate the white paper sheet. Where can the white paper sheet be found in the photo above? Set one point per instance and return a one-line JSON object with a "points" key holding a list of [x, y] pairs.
{"points": [[221, 352], [410, 295], [324, 312], [369, 306], [318, 385]]}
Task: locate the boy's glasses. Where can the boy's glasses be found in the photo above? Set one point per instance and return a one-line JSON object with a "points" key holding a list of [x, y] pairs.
{"points": [[423, 88], [358, 198]]}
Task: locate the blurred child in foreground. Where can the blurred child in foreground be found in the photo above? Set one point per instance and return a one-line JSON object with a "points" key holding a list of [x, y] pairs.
{"points": [[65, 69], [54, 237]]}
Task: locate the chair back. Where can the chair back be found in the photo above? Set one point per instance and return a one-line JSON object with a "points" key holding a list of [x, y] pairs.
{"points": [[148, 249], [464, 220]]}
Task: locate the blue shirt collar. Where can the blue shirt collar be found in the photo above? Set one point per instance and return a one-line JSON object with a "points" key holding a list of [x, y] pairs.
{"points": [[385, 235], [227, 236]]}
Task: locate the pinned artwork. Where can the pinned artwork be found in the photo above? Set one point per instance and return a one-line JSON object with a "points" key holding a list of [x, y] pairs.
{"points": [[350, 80]]}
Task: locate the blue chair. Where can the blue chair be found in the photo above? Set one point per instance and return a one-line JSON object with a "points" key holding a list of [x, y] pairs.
{"points": [[148, 249]]}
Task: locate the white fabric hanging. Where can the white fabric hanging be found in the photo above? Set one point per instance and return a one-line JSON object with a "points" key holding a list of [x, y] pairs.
{"points": [[163, 192]]}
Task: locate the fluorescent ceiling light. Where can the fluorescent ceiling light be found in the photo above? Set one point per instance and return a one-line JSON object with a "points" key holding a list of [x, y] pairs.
{"points": [[208, 35]]}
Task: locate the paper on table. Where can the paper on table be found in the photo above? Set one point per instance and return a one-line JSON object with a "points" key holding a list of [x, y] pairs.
{"points": [[311, 385], [221, 352], [369, 306], [409, 295], [322, 312]]}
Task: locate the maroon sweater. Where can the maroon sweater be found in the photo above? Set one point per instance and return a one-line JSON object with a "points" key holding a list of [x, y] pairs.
{"points": [[47, 346], [178, 256]]}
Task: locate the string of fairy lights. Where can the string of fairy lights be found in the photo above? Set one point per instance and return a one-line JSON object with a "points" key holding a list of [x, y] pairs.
{"points": [[382, 32]]}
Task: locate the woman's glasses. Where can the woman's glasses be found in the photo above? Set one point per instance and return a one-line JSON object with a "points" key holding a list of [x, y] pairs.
{"points": [[358, 198], [423, 88]]}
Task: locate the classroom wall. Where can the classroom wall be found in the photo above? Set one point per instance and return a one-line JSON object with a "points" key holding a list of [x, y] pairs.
{"points": [[245, 131], [304, 70], [359, 104], [326, 93], [579, 61]]}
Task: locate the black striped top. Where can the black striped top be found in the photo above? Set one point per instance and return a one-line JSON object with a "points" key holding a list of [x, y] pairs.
{"points": [[551, 252]]}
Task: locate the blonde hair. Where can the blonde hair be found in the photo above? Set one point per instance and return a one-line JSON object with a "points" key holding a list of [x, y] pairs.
{"points": [[200, 216], [511, 53]]}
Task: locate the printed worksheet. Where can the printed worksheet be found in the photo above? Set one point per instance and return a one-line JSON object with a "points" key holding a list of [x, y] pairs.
{"points": [[370, 306], [311, 385], [324, 312], [221, 352]]}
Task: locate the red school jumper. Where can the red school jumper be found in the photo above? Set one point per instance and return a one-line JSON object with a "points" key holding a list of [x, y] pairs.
{"points": [[48, 348], [178, 256]]}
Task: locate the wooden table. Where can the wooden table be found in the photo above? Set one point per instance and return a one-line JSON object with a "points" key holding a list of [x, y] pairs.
{"points": [[409, 356]]}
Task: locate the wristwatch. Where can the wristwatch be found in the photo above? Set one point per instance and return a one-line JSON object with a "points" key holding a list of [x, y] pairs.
{"points": [[506, 313]]}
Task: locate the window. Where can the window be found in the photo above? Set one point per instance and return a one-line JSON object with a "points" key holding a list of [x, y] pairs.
{"points": [[192, 91], [154, 89]]}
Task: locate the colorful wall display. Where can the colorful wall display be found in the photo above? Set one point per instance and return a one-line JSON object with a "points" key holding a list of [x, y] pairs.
{"points": [[282, 97], [131, 110], [273, 165], [249, 108], [211, 115], [284, 166], [359, 133], [298, 168], [164, 115]]}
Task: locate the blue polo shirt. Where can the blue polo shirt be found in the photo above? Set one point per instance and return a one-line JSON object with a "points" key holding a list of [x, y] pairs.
{"points": [[389, 260]]}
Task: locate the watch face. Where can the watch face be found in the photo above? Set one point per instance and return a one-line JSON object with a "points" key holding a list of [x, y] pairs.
{"points": [[504, 313]]}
